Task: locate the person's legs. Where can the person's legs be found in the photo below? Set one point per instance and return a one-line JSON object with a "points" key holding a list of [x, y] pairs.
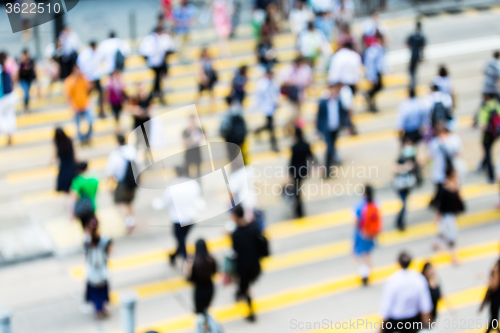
{"points": [[182, 240], [331, 150], [488, 163], [26, 85], [157, 82], [88, 116], [81, 137], [413, 72], [270, 127], [98, 87], [400, 222], [299, 212]]}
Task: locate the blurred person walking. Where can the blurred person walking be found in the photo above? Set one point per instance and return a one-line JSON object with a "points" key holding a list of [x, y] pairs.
{"points": [[343, 13], [492, 75], [207, 77], [370, 27], [443, 81], [333, 115], [406, 300], [407, 176], [116, 96], [416, 43], [411, 118], [345, 67], [492, 297], [238, 84], [193, 138], [83, 194], [368, 226], [77, 92], [113, 52], [266, 54], [88, 62], [8, 100], [27, 75], [299, 16], [97, 251], [448, 205], [374, 62], [440, 107], [141, 107], [65, 153], [155, 47], [312, 43], [300, 162], [70, 45], [443, 149], [119, 168], [250, 246], [183, 211], [295, 79], [184, 18], [489, 122], [267, 97], [429, 272], [200, 271], [222, 24], [233, 129]]}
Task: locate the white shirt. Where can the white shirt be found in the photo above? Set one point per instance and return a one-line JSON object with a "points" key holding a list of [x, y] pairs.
{"points": [[453, 146], [345, 67], [185, 207], [155, 47], [107, 53], [117, 161], [299, 18], [322, 5], [88, 61], [267, 94], [347, 100], [405, 295], [443, 83], [437, 96], [370, 27], [311, 42], [241, 186], [70, 42], [411, 115]]}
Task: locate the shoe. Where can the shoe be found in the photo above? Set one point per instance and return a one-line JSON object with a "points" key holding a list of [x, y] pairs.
{"points": [[171, 260], [365, 281], [251, 318], [275, 149]]}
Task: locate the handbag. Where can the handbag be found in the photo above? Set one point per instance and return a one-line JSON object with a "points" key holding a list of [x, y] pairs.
{"points": [[404, 181]]}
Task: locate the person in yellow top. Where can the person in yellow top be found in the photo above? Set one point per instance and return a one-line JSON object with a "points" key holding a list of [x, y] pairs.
{"points": [[489, 122], [77, 92]]}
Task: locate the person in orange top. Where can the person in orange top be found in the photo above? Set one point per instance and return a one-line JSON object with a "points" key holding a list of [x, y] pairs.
{"points": [[77, 91]]}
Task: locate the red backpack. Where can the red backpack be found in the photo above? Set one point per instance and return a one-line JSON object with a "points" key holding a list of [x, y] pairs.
{"points": [[371, 221]]}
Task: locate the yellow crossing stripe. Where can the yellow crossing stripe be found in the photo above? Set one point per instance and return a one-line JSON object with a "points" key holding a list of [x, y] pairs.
{"points": [[304, 225], [332, 287]]}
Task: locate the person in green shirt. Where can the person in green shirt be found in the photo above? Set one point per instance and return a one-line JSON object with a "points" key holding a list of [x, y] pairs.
{"points": [[83, 194], [489, 122]]}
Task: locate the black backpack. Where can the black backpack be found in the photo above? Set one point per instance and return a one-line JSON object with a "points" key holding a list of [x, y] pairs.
{"points": [[237, 130], [119, 60], [440, 113], [128, 180]]}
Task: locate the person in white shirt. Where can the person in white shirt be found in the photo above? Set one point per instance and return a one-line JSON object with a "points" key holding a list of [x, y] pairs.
{"points": [[374, 68], [312, 43], [183, 210], [118, 168], [406, 300], [443, 81], [70, 45], [322, 6], [241, 186], [267, 96], [299, 16], [155, 48], [345, 67], [439, 106], [113, 52], [370, 26], [410, 118], [333, 115], [343, 12], [88, 61]]}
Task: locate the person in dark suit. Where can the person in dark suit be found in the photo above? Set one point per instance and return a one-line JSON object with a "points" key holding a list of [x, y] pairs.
{"points": [[299, 168], [333, 115]]}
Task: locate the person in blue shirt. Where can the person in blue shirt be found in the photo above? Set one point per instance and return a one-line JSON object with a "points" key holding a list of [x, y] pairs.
{"points": [[374, 67], [184, 17]]}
